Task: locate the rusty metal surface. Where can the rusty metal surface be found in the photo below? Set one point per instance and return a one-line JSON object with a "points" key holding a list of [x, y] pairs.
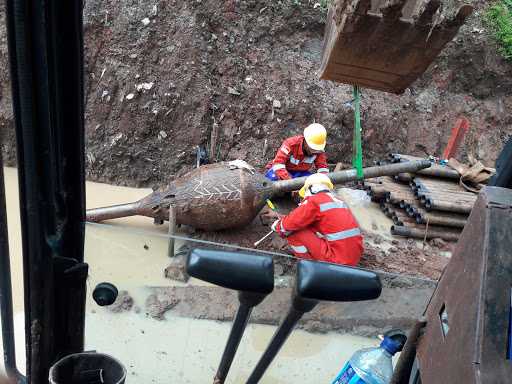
{"points": [[474, 293], [212, 197], [385, 45]]}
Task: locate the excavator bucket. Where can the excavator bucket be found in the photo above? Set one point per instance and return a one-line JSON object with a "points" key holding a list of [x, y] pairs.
{"points": [[385, 44]]}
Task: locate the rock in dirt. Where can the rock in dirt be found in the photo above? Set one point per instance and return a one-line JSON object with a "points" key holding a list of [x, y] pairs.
{"points": [[438, 243], [279, 270], [158, 304], [176, 269], [279, 243], [123, 303], [233, 91], [315, 327]]}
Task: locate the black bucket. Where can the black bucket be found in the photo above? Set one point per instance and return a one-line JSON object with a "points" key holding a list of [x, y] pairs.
{"points": [[87, 368]]}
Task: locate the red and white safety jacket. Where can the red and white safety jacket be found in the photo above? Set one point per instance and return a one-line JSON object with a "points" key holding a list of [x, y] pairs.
{"points": [[290, 156], [332, 221]]}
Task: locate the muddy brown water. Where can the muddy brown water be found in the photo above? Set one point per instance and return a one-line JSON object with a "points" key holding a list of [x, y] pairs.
{"points": [[132, 253]]}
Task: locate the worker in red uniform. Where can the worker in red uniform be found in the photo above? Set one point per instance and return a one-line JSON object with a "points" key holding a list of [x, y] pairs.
{"points": [[322, 227], [298, 154]]}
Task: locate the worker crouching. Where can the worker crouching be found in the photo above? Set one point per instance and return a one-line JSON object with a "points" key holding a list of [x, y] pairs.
{"points": [[322, 227]]}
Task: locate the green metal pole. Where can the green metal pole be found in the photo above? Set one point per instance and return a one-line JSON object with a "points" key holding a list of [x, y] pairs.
{"points": [[357, 148]]}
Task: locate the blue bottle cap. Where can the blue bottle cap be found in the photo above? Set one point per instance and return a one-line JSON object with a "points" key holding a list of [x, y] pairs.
{"points": [[390, 345]]}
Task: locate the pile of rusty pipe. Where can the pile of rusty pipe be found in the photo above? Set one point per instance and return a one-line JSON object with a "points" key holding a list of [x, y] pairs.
{"points": [[421, 233], [341, 177]]}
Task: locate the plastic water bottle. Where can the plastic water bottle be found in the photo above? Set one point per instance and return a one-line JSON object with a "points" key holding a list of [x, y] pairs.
{"points": [[370, 365]]}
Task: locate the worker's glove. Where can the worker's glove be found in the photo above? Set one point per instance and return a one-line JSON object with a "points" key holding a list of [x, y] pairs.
{"points": [[240, 164], [280, 233]]}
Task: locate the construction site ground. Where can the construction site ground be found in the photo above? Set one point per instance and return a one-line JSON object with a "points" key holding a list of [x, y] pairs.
{"points": [[184, 326]]}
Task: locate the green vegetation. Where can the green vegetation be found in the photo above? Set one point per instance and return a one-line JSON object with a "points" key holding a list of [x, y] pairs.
{"points": [[324, 4], [499, 18]]}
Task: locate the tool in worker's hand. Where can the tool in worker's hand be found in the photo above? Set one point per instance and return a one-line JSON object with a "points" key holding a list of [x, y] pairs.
{"points": [[316, 282], [263, 238], [251, 275], [271, 205]]}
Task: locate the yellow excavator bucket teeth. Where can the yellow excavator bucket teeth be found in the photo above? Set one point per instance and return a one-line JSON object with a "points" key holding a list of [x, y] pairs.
{"points": [[385, 44]]}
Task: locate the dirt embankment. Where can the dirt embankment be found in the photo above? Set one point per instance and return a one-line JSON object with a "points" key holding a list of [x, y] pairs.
{"points": [[161, 74]]}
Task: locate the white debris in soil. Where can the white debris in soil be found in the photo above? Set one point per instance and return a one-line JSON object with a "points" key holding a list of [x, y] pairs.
{"points": [[130, 96], [276, 104], [233, 91], [116, 138], [162, 135], [144, 86], [146, 21]]}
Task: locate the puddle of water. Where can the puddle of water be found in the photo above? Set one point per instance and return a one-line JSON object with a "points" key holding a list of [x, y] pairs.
{"points": [[178, 350], [368, 214], [182, 350]]}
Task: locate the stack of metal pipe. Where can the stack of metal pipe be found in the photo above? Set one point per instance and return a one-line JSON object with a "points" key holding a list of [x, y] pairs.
{"points": [[428, 204]]}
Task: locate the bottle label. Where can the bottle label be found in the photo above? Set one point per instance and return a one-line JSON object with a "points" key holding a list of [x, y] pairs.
{"points": [[348, 376]]}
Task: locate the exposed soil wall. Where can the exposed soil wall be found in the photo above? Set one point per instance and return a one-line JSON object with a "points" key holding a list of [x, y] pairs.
{"points": [[161, 74]]}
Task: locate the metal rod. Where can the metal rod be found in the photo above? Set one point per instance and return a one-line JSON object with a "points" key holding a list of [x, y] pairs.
{"points": [[449, 206], [457, 221], [351, 174], [172, 230], [6, 310], [437, 182], [263, 238], [419, 233], [446, 197], [278, 340], [235, 336], [435, 170], [114, 212]]}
